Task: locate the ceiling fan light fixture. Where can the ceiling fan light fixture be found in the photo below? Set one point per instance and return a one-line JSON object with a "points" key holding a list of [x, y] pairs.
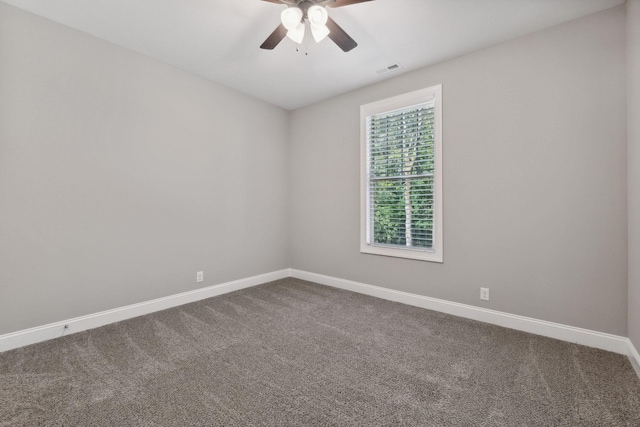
{"points": [[291, 18], [317, 16], [319, 32], [297, 33]]}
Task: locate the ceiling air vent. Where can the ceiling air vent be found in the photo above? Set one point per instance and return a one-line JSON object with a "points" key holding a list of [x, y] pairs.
{"points": [[392, 67]]}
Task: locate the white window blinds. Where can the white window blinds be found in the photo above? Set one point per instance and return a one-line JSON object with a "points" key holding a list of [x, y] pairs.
{"points": [[401, 177]]}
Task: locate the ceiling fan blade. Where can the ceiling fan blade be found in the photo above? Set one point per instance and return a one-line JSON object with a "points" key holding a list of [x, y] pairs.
{"points": [[340, 37], [340, 3], [273, 1], [275, 38]]}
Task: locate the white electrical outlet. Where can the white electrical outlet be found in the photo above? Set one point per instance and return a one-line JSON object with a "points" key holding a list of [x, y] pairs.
{"points": [[484, 294], [200, 276]]}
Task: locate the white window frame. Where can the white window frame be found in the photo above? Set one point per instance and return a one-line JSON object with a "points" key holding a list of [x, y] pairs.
{"points": [[434, 254]]}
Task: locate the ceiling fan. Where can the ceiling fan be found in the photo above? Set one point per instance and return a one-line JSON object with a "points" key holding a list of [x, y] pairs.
{"points": [[314, 12]]}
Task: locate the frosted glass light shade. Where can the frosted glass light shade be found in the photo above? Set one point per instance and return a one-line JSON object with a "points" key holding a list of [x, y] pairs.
{"points": [[317, 15], [297, 33], [319, 32], [291, 17]]}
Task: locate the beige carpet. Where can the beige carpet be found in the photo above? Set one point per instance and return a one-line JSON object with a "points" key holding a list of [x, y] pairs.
{"points": [[294, 353]]}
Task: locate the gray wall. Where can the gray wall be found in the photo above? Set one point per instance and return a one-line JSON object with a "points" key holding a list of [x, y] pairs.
{"points": [[120, 177], [633, 138], [534, 179]]}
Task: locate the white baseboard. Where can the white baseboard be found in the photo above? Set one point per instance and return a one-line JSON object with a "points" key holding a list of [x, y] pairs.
{"points": [[635, 358], [79, 324], [614, 343]]}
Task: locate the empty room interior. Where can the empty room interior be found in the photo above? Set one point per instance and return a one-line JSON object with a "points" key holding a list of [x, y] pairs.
{"points": [[320, 212]]}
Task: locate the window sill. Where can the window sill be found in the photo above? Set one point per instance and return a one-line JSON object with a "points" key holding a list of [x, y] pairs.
{"points": [[415, 254]]}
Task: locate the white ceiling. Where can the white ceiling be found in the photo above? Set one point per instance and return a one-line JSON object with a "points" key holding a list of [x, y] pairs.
{"points": [[220, 39]]}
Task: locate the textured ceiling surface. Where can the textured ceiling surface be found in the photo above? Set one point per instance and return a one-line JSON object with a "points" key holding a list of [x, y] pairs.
{"points": [[219, 39]]}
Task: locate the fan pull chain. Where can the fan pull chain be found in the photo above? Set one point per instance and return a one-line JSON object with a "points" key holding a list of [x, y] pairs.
{"points": [[306, 45], [306, 50]]}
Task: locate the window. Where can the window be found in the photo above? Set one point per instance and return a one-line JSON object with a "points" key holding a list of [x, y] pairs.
{"points": [[401, 167]]}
